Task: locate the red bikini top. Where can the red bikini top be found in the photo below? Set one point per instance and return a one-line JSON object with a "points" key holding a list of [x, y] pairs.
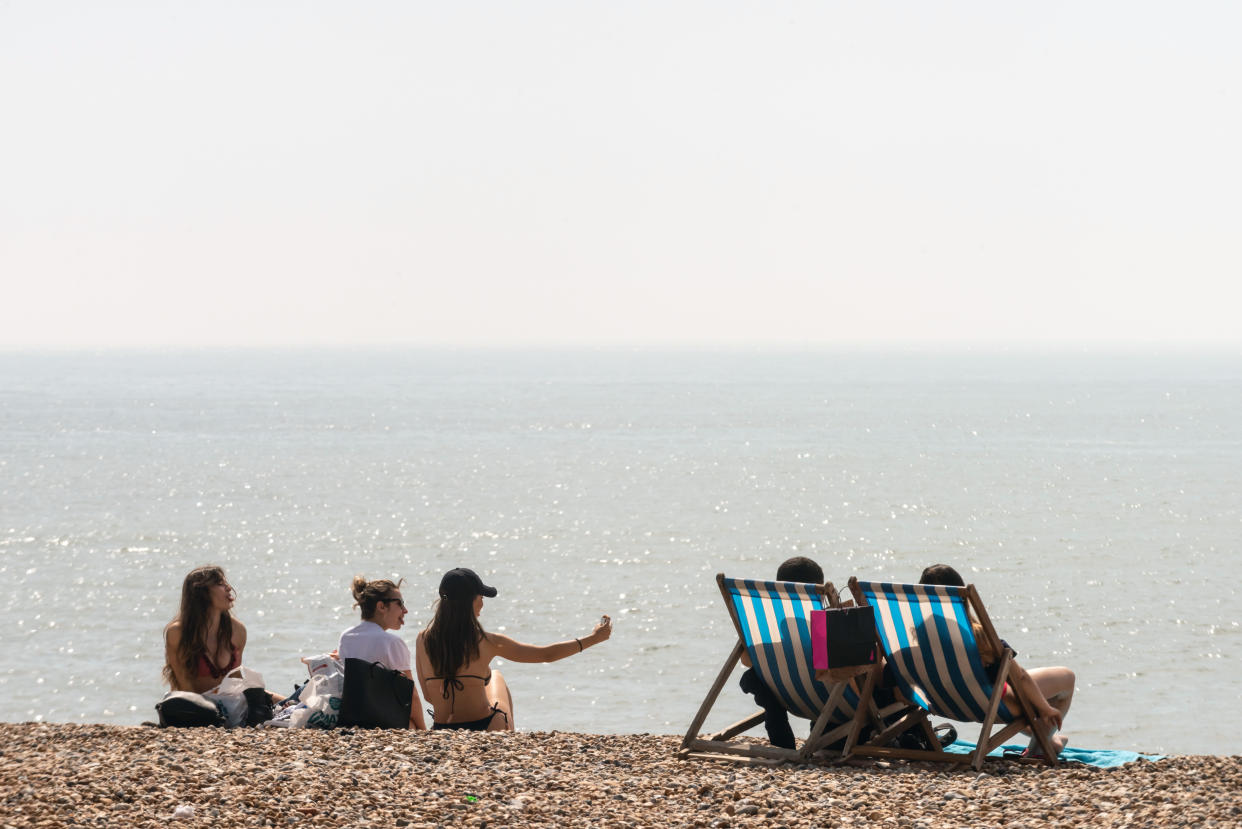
{"points": [[208, 668]]}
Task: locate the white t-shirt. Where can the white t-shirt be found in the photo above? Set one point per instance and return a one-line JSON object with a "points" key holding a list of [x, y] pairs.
{"points": [[371, 642]]}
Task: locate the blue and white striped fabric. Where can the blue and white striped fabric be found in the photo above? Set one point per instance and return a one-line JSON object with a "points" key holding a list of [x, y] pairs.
{"points": [[775, 618], [932, 653]]}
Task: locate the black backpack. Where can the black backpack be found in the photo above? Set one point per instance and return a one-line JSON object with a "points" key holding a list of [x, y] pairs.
{"points": [[186, 709]]}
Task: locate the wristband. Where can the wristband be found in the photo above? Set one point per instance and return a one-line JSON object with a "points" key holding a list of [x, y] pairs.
{"points": [[579, 641]]}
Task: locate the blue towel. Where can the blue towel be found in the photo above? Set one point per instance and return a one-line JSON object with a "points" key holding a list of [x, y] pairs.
{"points": [[1100, 758]]}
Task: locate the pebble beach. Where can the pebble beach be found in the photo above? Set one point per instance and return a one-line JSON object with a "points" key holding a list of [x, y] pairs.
{"points": [[97, 775]]}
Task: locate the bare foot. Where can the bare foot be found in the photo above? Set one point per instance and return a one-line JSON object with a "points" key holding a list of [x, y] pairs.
{"points": [[1059, 742]]}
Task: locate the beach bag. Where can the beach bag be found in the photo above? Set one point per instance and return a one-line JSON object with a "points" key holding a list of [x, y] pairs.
{"points": [[231, 695], [375, 696], [843, 637], [186, 709]]}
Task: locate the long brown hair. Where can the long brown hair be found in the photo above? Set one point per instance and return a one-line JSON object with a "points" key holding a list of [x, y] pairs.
{"points": [[195, 617], [452, 639]]}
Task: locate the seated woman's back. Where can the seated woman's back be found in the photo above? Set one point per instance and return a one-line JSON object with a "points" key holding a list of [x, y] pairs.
{"points": [[383, 611], [373, 640], [453, 657], [461, 696]]}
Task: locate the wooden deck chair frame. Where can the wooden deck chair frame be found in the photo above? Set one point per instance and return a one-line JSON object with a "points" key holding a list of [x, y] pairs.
{"points": [[722, 745], [917, 717]]}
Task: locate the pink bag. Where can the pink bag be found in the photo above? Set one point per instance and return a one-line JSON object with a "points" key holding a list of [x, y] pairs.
{"points": [[819, 639]]}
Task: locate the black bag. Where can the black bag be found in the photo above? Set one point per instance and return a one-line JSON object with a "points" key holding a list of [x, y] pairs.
{"points": [[850, 636], [375, 696], [186, 709], [258, 705], [914, 738]]}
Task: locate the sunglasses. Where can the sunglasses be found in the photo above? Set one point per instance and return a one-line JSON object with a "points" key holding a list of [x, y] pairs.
{"points": [[398, 601]]}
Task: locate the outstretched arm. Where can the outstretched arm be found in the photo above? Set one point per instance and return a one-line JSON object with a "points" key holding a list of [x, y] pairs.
{"points": [[515, 651]]}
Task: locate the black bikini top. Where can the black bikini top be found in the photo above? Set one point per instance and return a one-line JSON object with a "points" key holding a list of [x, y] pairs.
{"points": [[455, 682]]}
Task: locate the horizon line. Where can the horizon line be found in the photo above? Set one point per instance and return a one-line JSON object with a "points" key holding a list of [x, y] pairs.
{"points": [[871, 347]]}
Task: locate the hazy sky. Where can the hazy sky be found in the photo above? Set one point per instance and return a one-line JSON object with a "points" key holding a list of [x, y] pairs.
{"points": [[624, 173]]}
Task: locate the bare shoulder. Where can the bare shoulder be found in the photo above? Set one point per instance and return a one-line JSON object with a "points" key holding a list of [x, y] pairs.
{"points": [[497, 642], [420, 650], [172, 632]]}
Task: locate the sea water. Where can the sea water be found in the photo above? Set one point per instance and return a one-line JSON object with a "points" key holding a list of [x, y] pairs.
{"points": [[1093, 499]]}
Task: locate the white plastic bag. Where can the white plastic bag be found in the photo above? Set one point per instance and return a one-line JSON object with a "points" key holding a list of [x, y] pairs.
{"points": [[320, 702], [324, 663], [283, 718], [230, 695]]}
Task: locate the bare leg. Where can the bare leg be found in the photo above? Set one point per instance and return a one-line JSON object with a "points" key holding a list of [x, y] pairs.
{"points": [[498, 695], [417, 721], [1057, 686]]}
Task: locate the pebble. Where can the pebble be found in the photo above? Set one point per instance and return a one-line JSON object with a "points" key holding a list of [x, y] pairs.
{"points": [[75, 774]]}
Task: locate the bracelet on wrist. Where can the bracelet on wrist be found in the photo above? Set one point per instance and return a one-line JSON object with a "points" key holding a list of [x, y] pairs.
{"points": [[579, 641]]}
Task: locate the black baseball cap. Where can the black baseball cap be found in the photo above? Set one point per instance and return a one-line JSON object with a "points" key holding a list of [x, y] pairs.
{"points": [[463, 583]]}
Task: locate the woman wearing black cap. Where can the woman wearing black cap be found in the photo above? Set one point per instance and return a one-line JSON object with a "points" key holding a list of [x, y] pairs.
{"points": [[454, 655]]}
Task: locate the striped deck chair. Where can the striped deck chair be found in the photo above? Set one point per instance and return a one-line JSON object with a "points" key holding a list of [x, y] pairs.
{"points": [[772, 619], [930, 647]]}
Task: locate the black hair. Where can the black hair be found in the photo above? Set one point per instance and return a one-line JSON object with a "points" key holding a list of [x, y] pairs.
{"points": [[942, 574], [800, 568]]}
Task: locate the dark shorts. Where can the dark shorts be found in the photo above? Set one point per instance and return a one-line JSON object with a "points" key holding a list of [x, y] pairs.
{"points": [[473, 725]]}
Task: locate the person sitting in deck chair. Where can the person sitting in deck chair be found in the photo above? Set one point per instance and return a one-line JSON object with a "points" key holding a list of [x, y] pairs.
{"points": [[1053, 687], [775, 717]]}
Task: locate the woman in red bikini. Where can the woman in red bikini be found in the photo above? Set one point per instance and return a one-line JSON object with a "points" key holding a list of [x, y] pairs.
{"points": [[453, 658], [204, 642]]}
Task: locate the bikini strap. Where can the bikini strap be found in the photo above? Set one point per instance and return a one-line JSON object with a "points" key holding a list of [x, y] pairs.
{"points": [[454, 683]]}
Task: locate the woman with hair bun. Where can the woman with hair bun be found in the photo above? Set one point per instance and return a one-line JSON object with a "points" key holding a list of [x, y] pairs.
{"points": [[383, 610], [454, 656], [203, 642]]}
